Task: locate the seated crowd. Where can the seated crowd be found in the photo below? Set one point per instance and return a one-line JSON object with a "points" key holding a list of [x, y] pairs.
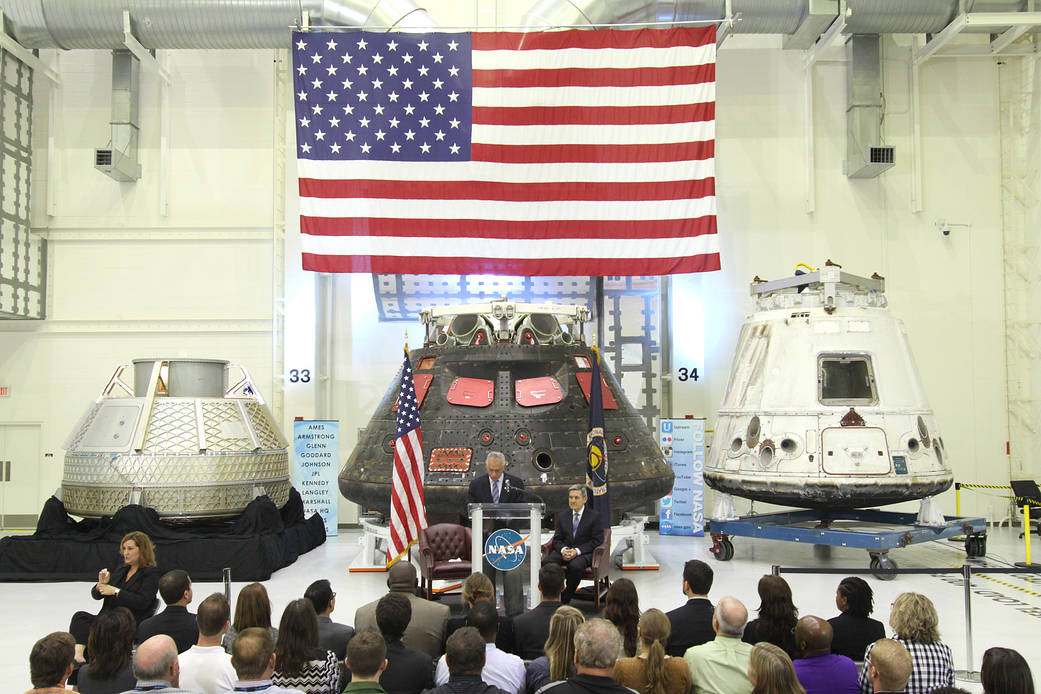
{"points": [[404, 644]]}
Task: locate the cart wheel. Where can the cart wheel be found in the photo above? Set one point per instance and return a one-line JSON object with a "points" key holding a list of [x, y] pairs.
{"points": [[970, 546], [882, 563], [981, 545], [728, 550]]}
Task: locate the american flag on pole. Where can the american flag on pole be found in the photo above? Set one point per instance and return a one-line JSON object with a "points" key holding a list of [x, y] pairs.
{"points": [[407, 509], [549, 153]]}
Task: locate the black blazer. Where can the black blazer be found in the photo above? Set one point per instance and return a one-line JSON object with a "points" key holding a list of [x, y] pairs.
{"points": [[176, 622], [589, 536], [137, 594], [853, 634], [531, 629], [691, 626], [408, 671]]}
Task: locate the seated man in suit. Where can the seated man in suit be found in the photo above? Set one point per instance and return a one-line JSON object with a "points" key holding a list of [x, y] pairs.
{"points": [[576, 535], [332, 636], [428, 621], [531, 628], [692, 622], [175, 621], [496, 487]]}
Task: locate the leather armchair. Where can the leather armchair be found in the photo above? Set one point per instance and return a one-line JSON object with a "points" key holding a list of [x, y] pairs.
{"points": [[438, 545], [599, 571]]}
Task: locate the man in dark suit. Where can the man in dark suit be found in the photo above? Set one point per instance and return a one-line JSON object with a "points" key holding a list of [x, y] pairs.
{"points": [[531, 628], [692, 623], [497, 487], [577, 534], [408, 671], [332, 636], [175, 621]]}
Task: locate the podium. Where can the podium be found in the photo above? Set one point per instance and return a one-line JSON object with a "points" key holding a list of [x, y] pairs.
{"points": [[531, 513]]}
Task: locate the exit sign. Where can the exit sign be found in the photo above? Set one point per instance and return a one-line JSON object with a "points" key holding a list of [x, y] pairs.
{"points": [[5, 391]]}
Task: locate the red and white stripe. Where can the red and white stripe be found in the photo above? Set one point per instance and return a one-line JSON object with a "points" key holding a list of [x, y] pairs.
{"points": [[407, 507], [592, 153]]}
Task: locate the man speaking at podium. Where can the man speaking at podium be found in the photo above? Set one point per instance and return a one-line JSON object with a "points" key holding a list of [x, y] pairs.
{"points": [[497, 487]]}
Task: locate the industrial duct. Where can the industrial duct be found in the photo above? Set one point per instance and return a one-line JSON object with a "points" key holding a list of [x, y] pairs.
{"points": [[866, 156], [119, 159]]}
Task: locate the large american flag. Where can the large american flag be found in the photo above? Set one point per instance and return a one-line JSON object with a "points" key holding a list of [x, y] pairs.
{"points": [[551, 153], [407, 507]]}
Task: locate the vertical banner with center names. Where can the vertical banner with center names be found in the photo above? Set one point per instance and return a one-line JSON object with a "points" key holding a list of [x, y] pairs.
{"points": [[316, 452], [683, 443]]}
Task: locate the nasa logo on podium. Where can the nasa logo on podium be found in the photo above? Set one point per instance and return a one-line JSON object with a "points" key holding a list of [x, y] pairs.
{"points": [[505, 549]]}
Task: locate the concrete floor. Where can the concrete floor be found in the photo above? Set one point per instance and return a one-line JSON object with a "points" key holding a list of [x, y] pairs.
{"points": [[1006, 609]]}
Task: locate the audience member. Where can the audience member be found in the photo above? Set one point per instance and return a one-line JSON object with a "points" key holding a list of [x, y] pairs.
{"points": [[577, 533], [426, 629], [206, 666], [502, 670], [332, 636], [531, 628], [466, 656], [252, 609], [156, 667], [367, 660], [888, 667], [133, 586], [1005, 671], [253, 657], [559, 662], [622, 609], [408, 671], [50, 663], [691, 623], [477, 588], [299, 662], [819, 670], [597, 646], [777, 616], [653, 672], [949, 690], [175, 587], [721, 665], [770, 671], [111, 647], [853, 629], [914, 621]]}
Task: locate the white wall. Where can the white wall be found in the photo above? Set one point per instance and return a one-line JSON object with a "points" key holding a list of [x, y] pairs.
{"points": [[127, 282]]}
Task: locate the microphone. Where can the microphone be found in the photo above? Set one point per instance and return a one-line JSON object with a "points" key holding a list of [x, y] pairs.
{"points": [[523, 490]]}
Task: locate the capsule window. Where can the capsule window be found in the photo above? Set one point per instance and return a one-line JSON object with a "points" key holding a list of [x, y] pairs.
{"points": [[543, 461], [846, 380], [912, 445]]}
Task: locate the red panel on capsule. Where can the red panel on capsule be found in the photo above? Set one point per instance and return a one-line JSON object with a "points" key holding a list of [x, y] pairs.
{"points": [[471, 392], [585, 378], [422, 383], [544, 390]]}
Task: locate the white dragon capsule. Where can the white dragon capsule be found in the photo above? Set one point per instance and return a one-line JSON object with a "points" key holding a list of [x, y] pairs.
{"points": [[825, 407]]}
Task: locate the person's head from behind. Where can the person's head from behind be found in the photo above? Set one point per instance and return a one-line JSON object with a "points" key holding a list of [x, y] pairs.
{"points": [[464, 652], [176, 587], [775, 597], [729, 617], [654, 626], [771, 671], [560, 641], [111, 642], [813, 635], [888, 666], [253, 608], [914, 618], [624, 598], [855, 596], [156, 659], [477, 588], [297, 637], [597, 646], [485, 620], [697, 578], [321, 595], [253, 654], [393, 613], [402, 577], [551, 581], [137, 550], [366, 655], [214, 613], [50, 660], [1005, 671]]}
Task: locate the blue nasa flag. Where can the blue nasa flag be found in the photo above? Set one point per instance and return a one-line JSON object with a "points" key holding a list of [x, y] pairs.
{"points": [[596, 450]]}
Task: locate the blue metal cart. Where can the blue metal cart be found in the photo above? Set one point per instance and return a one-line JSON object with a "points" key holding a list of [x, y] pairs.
{"points": [[816, 527]]}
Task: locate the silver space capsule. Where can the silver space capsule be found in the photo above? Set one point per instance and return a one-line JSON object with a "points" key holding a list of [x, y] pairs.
{"points": [[180, 440], [824, 407]]}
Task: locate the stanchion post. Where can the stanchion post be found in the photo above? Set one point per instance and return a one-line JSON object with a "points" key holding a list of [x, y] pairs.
{"points": [[957, 499], [776, 570], [227, 583], [1026, 528], [968, 675]]}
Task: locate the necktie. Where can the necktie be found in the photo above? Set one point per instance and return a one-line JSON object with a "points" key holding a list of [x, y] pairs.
{"points": [[495, 492], [574, 525]]}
